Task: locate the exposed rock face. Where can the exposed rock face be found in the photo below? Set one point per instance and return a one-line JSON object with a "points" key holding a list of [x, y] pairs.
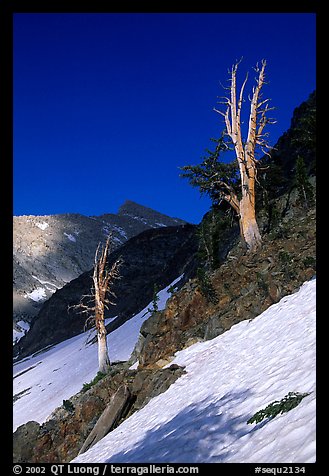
{"points": [[49, 251], [119, 405], [156, 256], [298, 141], [60, 439], [245, 285], [23, 442]]}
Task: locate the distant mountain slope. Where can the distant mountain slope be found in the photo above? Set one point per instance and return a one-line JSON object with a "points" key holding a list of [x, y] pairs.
{"points": [[49, 251], [155, 256]]}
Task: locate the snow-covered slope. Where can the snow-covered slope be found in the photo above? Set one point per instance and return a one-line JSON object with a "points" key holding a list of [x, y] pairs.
{"points": [[42, 382], [203, 416]]}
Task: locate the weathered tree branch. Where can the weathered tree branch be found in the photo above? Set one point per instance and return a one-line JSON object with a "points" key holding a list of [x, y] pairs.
{"points": [[99, 299]]}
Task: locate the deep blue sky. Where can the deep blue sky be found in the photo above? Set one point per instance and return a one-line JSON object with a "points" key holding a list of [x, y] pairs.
{"points": [[108, 106]]}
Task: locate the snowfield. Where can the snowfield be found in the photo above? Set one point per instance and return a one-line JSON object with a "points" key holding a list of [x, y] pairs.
{"points": [[202, 417], [42, 382]]}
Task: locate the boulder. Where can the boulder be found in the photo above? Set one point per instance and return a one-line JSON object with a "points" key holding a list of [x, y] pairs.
{"points": [[119, 406], [24, 440]]}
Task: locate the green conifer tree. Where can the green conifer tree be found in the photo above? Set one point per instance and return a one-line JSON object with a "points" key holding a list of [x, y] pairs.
{"points": [[304, 187]]}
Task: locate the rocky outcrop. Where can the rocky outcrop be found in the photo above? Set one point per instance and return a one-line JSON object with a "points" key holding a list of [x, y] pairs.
{"points": [[24, 440], [49, 251], [244, 286], [156, 256], [277, 173], [115, 411], [70, 427]]}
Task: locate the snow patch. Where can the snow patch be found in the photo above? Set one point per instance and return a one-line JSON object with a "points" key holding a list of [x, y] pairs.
{"points": [[116, 240], [134, 366], [70, 237], [37, 295], [121, 231], [106, 230], [23, 327], [47, 283], [141, 219], [42, 225]]}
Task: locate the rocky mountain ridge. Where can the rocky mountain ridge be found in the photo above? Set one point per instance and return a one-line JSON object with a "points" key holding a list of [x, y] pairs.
{"points": [[50, 251]]}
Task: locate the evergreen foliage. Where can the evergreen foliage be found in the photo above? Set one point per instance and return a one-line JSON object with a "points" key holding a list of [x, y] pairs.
{"points": [[287, 403], [206, 287], [211, 176], [68, 405], [87, 386], [211, 228], [309, 262], [172, 289], [304, 132], [271, 182], [155, 307], [304, 187], [277, 172]]}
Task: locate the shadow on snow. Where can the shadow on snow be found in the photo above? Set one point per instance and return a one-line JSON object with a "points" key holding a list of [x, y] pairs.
{"points": [[201, 433]]}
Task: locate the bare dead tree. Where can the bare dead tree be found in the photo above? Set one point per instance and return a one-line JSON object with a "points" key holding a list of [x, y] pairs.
{"points": [[100, 298], [245, 152]]}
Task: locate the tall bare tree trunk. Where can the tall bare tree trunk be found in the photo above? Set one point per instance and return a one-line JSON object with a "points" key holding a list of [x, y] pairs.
{"points": [[103, 354], [102, 280], [100, 289], [245, 153], [248, 224]]}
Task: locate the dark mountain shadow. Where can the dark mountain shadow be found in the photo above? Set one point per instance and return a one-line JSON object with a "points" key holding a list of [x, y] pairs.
{"points": [[193, 435]]}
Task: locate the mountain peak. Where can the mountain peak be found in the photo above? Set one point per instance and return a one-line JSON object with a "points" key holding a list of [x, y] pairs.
{"points": [[49, 251], [129, 206], [135, 210]]}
